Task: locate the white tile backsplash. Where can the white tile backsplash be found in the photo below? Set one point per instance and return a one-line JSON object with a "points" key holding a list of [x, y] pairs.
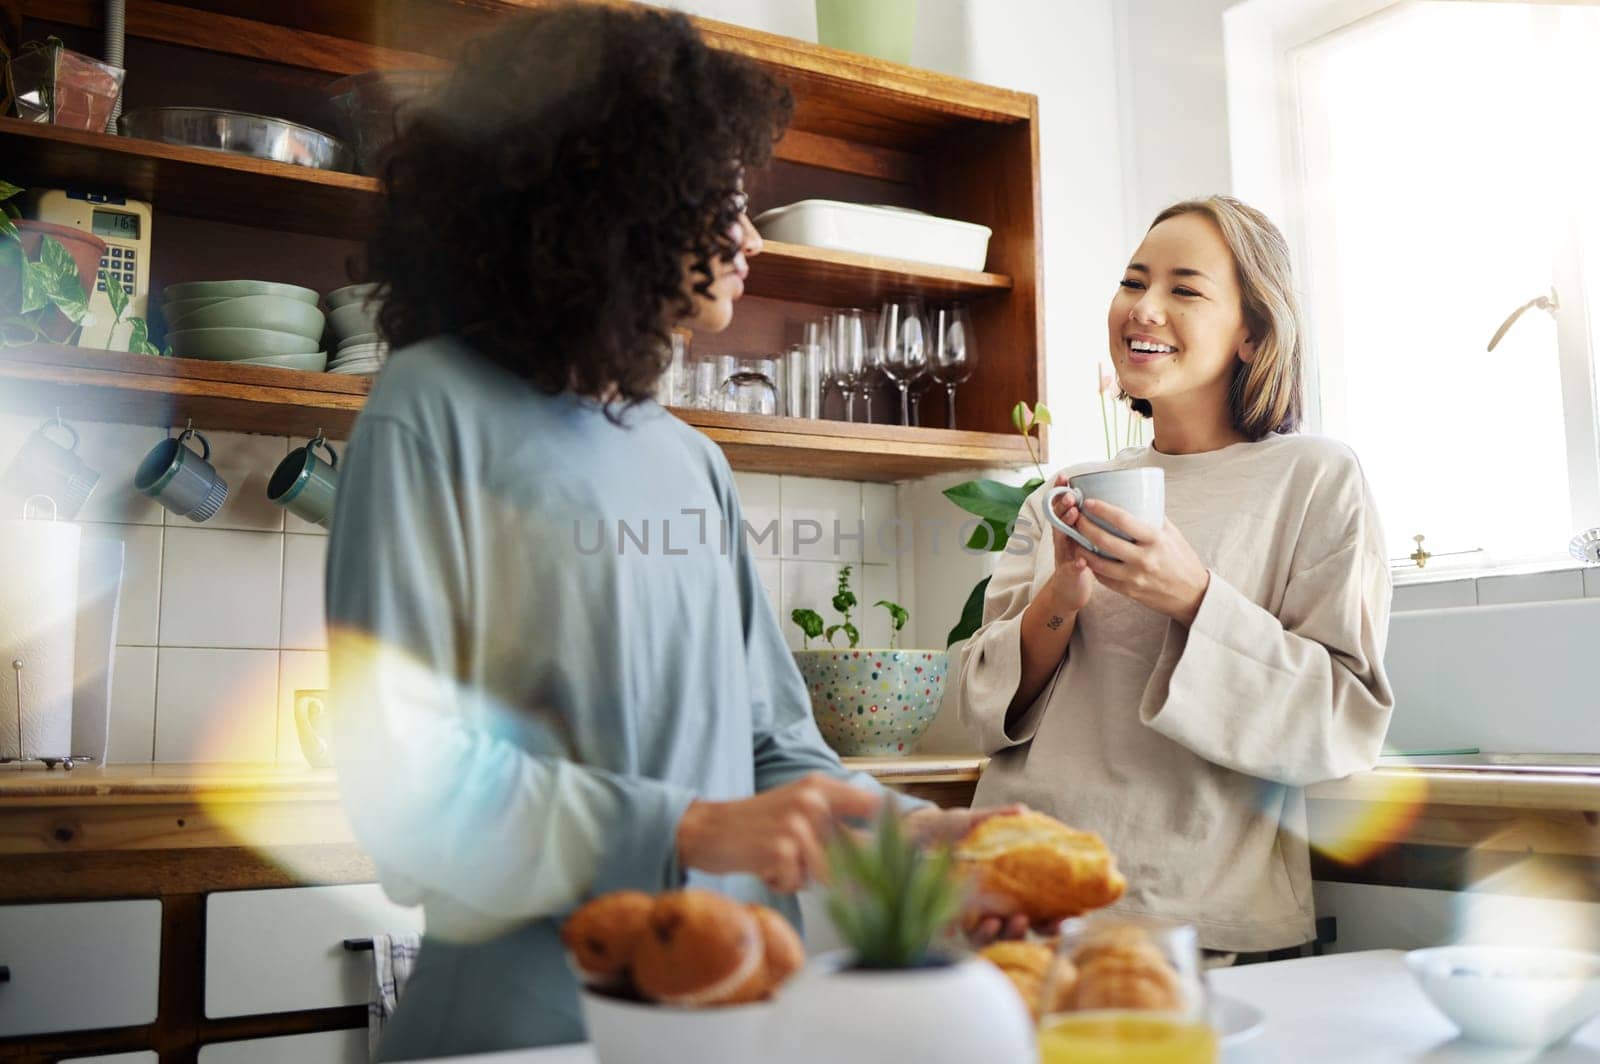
{"points": [[884, 542], [1435, 595], [1530, 587], [824, 513], [115, 451], [878, 582], [246, 462], [220, 588], [759, 501], [216, 705], [304, 610], [298, 670], [139, 610], [133, 705]]}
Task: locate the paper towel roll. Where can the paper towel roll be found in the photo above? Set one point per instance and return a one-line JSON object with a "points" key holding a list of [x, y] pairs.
{"points": [[38, 615]]}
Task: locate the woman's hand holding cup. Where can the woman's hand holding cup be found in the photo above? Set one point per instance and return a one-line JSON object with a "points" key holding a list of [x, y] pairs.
{"points": [[1072, 582]]}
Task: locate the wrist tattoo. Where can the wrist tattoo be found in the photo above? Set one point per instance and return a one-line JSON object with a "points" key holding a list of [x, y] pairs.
{"points": [[1055, 622]]}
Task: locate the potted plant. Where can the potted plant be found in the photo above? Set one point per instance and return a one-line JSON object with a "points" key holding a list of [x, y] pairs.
{"points": [[872, 702], [894, 993], [998, 505], [46, 272]]}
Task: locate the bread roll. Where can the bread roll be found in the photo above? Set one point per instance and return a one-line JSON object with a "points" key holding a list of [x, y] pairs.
{"points": [[783, 952], [699, 949], [602, 935], [1046, 869]]}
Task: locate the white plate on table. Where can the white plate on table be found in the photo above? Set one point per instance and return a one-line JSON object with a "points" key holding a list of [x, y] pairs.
{"points": [[1235, 1021]]}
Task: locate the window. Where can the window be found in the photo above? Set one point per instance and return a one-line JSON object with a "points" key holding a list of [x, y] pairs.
{"points": [[1446, 161]]}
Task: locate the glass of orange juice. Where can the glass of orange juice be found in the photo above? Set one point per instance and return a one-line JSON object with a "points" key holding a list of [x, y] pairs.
{"points": [[1125, 990]]}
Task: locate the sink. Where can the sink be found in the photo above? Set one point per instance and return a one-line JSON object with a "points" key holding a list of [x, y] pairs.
{"points": [[1588, 764]]}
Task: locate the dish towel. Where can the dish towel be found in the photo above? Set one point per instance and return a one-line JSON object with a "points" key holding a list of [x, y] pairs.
{"points": [[393, 957]]}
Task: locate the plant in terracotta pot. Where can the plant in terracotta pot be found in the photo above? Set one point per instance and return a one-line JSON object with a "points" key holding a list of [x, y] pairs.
{"points": [[868, 702], [43, 269], [895, 993]]}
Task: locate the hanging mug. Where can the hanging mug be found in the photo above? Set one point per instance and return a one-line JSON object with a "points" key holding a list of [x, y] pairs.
{"points": [[184, 482], [43, 466], [304, 484]]}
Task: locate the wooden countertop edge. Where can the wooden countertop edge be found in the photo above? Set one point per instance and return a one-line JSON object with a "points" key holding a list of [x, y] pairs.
{"points": [[211, 784], [1434, 786]]}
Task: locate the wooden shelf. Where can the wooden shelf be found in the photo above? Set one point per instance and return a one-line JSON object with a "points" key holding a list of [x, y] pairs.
{"points": [[190, 181], [95, 385], [234, 188]]}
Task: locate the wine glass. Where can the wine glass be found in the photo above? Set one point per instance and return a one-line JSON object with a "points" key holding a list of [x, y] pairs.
{"points": [[955, 352], [1128, 989], [849, 355], [902, 337]]}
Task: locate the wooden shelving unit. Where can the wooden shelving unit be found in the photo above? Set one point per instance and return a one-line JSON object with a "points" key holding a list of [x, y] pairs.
{"points": [[914, 137], [88, 384]]}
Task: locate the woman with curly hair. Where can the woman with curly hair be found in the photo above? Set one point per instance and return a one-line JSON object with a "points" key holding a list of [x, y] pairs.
{"points": [[555, 670]]}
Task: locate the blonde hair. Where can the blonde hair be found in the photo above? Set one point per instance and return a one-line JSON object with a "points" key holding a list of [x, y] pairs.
{"points": [[1266, 393]]}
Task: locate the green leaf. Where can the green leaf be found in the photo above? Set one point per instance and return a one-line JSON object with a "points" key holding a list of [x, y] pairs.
{"points": [[117, 294], [74, 305], [55, 257], [8, 227], [1041, 415], [35, 289], [810, 622], [832, 628], [8, 190], [994, 539], [166, 352], [1032, 484], [988, 499], [17, 332], [850, 631], [897, 613], [1019, 418], [971, 614], [139, 340]]}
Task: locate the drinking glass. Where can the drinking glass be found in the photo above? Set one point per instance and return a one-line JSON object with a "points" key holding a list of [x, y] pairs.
{"points": [[955, 351], [802, 379], [849, 355], [872, 374], [902, 337], [1128, 990], [703, 389], [768, 368], [749, 392]]}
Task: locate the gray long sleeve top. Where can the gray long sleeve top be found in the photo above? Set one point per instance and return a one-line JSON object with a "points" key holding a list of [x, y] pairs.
{"points": [[547, 640]]}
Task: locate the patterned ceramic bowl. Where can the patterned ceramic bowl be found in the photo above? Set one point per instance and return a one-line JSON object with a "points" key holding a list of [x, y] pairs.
{"points": [[873, 703]]}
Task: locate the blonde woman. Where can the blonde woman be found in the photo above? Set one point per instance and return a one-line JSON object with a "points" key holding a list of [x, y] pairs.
{"points": [[1176, 701]]}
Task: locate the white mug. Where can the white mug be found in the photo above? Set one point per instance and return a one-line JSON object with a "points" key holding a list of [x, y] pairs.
{"points": [[1142, 492]]}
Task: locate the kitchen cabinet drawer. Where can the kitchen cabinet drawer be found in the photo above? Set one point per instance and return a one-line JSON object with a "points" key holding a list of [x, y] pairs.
{"points": [[79, 966], [325, 1047], [283, 950]]}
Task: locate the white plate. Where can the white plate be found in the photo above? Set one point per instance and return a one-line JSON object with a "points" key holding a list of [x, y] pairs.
{"points": [[1236, 1021], [359, 338]]}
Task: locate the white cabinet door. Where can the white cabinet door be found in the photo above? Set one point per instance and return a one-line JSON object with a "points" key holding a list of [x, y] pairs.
{"points": [[283, 950], [325, 1047], [144, 1056], [79, 966]]}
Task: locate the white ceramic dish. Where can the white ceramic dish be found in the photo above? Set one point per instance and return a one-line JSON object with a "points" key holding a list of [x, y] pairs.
{"points": [[630, 1032], [350, 293], [359, 338], [353, 319], [893, 232], [1520, 997]]}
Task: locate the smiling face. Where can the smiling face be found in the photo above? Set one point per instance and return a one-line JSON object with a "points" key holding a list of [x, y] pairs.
{"points": [[1176, 325], [713, 311]]}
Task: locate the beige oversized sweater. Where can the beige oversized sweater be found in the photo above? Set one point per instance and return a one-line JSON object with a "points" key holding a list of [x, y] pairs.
{"points": [[1187, 748]]}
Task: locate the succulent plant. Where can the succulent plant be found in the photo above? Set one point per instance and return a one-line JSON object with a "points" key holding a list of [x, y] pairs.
{"points": [[891, 898]]}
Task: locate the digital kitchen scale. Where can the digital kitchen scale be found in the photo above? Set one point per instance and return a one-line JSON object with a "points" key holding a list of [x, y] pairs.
{"points": [[124, 225]]}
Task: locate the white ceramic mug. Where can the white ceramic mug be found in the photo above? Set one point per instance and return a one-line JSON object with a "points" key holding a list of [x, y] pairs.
{"points": [[1142, 492]]}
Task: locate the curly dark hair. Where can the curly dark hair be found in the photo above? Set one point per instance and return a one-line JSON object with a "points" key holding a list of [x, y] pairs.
{"points": [[543, 206]]}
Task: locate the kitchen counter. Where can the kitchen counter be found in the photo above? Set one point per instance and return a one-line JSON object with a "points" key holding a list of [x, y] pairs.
{"points": [[1319, 1010]]}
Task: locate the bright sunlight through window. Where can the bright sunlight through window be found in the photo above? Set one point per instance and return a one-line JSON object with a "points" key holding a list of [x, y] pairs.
{"points": [[1450, 166]]}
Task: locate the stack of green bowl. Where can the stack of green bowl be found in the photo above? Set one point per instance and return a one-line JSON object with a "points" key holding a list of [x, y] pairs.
{"points": [[353, 315], [249, 323]]}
